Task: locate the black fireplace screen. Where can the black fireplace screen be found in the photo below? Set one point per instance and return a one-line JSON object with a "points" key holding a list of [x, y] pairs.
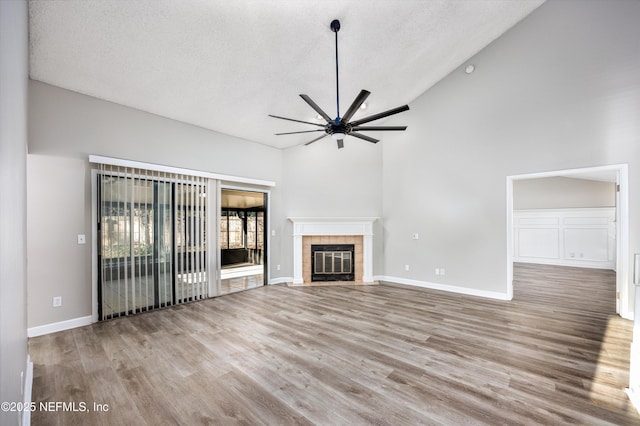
{"points": [[332, 262]]}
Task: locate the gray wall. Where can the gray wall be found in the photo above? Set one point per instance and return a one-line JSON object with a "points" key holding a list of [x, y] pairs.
{"points": [[558, 91], [65, 127], [322, 181], [562, 192], [13, 231]]}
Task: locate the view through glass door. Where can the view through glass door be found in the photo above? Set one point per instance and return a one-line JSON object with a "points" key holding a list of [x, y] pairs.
{"points": [[152, 241], [242, 240]]}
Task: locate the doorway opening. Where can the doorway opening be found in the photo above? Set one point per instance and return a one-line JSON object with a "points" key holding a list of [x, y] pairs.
{"points": [[243, 242], [616, 175]]}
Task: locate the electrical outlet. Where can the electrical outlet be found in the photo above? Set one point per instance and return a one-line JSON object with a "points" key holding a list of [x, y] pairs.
{"points": [[273, 232], [406, 267], [437, 271], [441, 271], [277, 267], [415, 236], [57, 301], [82, 239]]}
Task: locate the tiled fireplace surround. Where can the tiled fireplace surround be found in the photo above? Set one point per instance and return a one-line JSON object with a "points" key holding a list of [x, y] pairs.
{"points": [[356, 231]]}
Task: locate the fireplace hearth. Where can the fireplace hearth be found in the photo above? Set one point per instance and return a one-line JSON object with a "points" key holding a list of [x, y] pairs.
{"points": [[332, 262]]}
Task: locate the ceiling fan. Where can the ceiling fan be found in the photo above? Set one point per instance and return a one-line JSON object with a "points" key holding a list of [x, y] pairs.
{"points": [[340, 127]]}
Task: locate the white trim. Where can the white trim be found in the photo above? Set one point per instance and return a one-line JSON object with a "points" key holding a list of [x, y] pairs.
{"points": [[59, 326], [509, 238], [280, 280], [332, 226], [94, 245], [571, 172], [97, 159], [27, 387], [332, 219], [446, 287], [622, 229], [634, 397], [622, 252]]}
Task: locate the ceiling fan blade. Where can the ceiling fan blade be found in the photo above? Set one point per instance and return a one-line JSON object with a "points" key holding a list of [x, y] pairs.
{"points": [[297, 121], [316, 139], [355, 105], [380, 115], [304, 131], [364, 137], [375, 128], [340, 143], [319, 110]]}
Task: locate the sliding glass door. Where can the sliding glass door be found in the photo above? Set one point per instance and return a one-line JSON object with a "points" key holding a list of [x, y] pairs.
{"points": [[152, 241]]}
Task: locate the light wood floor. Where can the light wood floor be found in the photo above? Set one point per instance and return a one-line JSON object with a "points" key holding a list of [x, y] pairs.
{"points": [[380, 354]]}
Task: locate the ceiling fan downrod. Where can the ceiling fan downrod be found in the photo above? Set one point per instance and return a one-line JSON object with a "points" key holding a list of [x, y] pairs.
{"points": [[335, 27]]}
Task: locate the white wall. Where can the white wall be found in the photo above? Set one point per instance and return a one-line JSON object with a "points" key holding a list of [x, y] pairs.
{"points": [[65, 127], [558, 91], [582, 237], [13, 231], [562, 192]]}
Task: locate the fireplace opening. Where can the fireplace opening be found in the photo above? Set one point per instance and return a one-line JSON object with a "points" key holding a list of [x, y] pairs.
{"points": [[332, 262]]}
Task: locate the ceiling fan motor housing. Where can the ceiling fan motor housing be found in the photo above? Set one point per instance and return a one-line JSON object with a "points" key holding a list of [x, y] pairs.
{"points": [[341, 127]]}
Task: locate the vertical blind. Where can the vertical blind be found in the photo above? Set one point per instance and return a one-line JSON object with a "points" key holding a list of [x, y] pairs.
{"points": [[152, 240]]}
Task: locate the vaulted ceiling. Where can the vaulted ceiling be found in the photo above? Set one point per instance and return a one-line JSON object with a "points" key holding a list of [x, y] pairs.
{"points": [[226, 64]]}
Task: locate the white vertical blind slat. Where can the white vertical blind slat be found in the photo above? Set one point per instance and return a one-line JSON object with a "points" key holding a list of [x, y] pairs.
{"points": [[196, 245], [203, 245]]}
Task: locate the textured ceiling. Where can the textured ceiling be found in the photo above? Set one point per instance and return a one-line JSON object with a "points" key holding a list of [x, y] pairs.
{"points": [[225, 64]]}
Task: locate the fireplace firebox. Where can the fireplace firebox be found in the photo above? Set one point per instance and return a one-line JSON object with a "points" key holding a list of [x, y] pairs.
{"points": [[332, 262]]}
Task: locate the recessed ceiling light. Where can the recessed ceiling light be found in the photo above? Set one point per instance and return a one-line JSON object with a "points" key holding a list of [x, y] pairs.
{"points": [[470, 68], [318, 117], [363, 106]]}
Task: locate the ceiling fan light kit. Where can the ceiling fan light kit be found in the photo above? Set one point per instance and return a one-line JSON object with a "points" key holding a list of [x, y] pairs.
{"points": [[340, 127]]}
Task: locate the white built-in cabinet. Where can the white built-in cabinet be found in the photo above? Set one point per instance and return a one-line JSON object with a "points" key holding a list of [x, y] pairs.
{"points": [[584, 237]]}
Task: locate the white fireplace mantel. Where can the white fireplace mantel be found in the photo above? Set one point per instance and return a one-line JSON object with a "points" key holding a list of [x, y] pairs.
{"points": [[329, 226]]}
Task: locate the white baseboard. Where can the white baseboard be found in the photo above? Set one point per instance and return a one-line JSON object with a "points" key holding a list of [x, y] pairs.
{"points": [[59, 326], [280, 280], [27, 386], [634, 398], [445, 287]]}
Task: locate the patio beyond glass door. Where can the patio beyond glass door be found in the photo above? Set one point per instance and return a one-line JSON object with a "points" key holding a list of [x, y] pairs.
{"points": [[242, 240], [152, 241]]}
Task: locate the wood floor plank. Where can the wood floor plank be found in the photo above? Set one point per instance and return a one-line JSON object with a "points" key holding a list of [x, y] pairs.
{"points": [[385, 354]]}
